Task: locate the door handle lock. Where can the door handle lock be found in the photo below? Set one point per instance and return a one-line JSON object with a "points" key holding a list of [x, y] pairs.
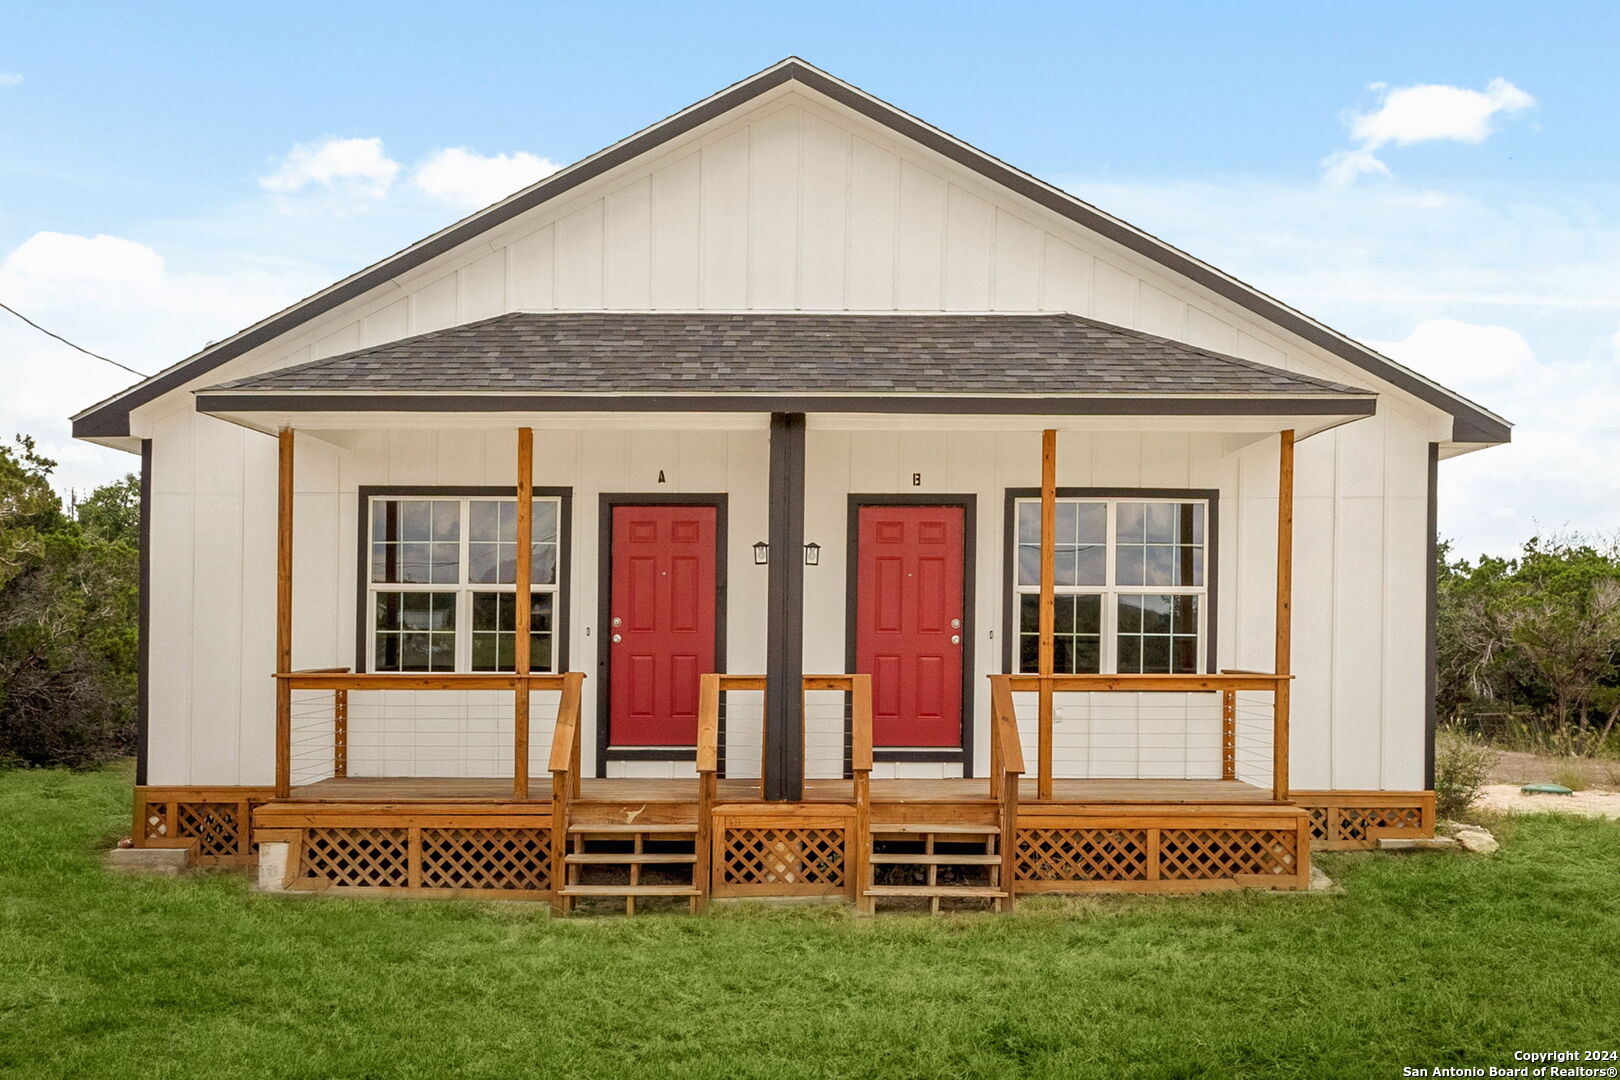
{"points": [[956, 624], [617, 639], [617, 621]]}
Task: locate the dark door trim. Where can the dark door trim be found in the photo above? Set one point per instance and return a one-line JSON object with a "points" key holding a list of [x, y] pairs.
{"points": [[968, 504], [604, 596]]}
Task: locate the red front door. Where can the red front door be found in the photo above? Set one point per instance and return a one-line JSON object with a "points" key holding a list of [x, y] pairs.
{"points": [[661, 623], [909, 622]]}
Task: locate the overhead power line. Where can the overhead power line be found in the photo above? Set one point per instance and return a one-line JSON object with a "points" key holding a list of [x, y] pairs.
{"points": [[69, 344]]}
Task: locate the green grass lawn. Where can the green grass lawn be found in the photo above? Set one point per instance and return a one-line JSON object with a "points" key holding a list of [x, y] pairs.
{"points": [[1425, 960]]}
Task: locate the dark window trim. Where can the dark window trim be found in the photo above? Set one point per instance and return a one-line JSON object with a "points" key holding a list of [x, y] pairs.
{"points": [[607, 501], [1431, 618], [565, 544], [143, 617], [969, 505], [1010, 553]]}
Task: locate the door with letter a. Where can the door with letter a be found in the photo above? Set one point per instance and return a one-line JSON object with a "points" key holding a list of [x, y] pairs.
{"points": [[662, 608], [910, 621]]}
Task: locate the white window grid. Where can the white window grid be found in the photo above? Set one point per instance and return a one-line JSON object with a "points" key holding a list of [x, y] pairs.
{"points": [[1111, 591], [463, 588]]}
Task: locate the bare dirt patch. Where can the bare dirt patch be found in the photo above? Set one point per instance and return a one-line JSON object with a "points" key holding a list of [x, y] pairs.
{"points": [[1508, 798]]}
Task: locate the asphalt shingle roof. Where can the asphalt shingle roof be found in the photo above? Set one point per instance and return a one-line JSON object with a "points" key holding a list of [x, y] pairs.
{"points": [[760, 353]]}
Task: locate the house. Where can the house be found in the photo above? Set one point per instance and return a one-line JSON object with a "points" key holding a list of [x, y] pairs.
{"points": [[892, 523]]}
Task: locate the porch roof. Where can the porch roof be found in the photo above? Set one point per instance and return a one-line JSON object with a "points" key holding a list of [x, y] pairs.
{"points": [[787, 361]]}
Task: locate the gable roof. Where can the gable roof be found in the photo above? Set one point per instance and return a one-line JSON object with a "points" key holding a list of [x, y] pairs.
{"points": [[1471, 422], [552, 359]]}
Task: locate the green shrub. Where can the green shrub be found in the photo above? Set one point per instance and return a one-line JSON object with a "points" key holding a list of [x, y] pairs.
{"points": [[1462, 764]]}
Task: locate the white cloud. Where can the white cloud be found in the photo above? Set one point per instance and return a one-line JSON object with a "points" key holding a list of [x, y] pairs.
{"points": [[1558, 472], [1455, 353], [1423, 113], [10, 78], [352, 167], [1509, 295], [469, 180], [121, 298], [54, 256]]}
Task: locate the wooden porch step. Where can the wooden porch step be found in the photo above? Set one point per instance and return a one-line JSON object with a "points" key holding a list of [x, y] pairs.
{"points": [[631, 830], [889, 858], [626, 858], [630, 890], [987, 892], [922, 828]]}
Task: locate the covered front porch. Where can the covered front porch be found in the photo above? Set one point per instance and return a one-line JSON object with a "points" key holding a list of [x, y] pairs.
{"points": [[1036, 677]]}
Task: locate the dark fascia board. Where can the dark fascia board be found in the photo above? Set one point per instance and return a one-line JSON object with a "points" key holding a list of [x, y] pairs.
{"points": [[1470, 422], [1336, 405]]}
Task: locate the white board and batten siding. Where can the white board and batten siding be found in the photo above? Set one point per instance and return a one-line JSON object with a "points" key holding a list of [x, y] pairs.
{"points": [[799, 204]]}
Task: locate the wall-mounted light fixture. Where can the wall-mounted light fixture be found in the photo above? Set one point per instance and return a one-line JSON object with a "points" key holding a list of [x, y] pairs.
{"points": [[812, 554], [762, 553]]}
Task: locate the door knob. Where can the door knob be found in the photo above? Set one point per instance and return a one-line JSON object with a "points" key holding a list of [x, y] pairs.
{"points": [[956, 639], [617, 639]]}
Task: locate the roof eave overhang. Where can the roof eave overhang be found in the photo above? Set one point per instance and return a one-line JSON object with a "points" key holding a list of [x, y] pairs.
{"points": [[1349, 405]]}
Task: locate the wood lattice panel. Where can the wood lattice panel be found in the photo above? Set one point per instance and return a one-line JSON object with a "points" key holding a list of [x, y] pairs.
{"points": [[1081, 855], [155, 821], [1350, 820], [364, 857], [780, 860], [486, 858], [217, 827], [1209, 854]]}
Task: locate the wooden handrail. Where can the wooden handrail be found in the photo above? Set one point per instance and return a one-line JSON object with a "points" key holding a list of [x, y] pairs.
{"points": [[708, 731], [472, 680], [1006, 750], [1169, 684], [860, 723], [565, 736]]}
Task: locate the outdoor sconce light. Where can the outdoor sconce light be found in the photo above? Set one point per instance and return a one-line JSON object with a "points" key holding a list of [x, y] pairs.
{"points": [[812, 554], [762, 553]]}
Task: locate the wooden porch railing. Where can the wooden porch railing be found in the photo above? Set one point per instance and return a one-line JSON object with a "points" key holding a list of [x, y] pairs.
{"points": [[1006, 769], [1227, 683], [565, 780], [859, 688], [340, 680]]}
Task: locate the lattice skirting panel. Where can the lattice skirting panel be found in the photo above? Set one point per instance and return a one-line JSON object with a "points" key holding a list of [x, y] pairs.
{"points": [[213, 822], [804, 852], [414, 852], [1357, 820], [1176, 851]]}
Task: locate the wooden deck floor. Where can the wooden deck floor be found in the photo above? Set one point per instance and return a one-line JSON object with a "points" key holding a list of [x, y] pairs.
{"points": [[387, 789]]}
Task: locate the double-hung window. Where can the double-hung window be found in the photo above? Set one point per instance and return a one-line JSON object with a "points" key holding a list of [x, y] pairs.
{"points": [[441, 584], [1130, 583]]}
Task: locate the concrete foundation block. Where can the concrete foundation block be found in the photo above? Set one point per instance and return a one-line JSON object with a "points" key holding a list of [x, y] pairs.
{"points": [[165, 862]]}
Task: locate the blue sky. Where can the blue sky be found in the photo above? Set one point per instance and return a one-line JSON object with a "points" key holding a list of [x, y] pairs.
{"points": [[1482, 248]]}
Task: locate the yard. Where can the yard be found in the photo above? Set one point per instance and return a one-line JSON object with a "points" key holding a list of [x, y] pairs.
{"points": [[1425, 960]]}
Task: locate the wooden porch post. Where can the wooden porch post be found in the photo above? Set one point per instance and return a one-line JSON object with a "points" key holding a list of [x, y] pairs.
{"points": [[284, 566], [523, 571], [1285, 615], [1048, 611]]}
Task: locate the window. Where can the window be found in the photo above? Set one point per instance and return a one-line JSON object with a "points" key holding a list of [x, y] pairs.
{"points": [[1130, 585], [441, 581]]}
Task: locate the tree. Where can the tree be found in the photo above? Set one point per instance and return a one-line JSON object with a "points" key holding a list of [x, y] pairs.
{"points": [[68, 633], [1537, 635]]}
